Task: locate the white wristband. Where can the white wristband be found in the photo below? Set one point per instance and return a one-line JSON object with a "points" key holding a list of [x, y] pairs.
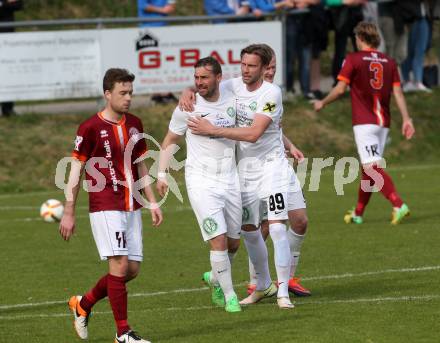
{"points": [[162, 175]]}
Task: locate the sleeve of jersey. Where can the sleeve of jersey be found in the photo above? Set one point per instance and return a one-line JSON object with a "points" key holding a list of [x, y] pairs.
{"points": [[83, 144], [396, 76], [178, 123], [270, 104], [346, 71], [141, 146]]}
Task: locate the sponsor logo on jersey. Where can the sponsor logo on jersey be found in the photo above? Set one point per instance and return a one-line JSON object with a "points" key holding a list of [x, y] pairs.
{"points": [[231, 112], [210, 225], [78, 141], [111, 169], [253, 105], [133, 131], [269, 107], [104, 133]]}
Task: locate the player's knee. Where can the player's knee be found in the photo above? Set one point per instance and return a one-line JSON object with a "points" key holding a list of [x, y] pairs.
{"points": [[118, 265], [249, 227], [233, 245], [300, 225]]}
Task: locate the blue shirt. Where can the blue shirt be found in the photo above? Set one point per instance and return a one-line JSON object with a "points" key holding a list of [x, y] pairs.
{"points": [[220, 7], [143, 14], [264, 5]]}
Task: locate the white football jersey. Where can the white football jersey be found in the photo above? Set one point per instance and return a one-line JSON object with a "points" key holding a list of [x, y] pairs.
{"points": [[266, 100], [210, 160]]}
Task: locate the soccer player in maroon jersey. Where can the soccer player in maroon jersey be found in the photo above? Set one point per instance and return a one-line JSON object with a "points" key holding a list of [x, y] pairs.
{"points": [[113, 176], [372, 77]]}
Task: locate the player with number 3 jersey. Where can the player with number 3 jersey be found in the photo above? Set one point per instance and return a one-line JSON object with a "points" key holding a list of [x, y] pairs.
{"points": [[372, 77]]}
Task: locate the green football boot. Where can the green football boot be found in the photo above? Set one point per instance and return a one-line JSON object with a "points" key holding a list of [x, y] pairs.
{"points": [[232, 305], [217, 296], [351, 217], [398, 214]]}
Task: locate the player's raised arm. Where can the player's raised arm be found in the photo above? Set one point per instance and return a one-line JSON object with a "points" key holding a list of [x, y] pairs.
{"points": [[408, 129], [156, 213], [166, 153], [67, 224]]}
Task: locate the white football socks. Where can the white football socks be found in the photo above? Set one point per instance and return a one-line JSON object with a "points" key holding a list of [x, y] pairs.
{"points": [[252, 274], [295, 243], [221, 268], [282, 257], [257, 251], [231, 256]]}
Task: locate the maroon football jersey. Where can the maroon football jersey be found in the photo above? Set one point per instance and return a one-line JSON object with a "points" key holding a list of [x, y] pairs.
{"points": [[101, 144], [371, 76]]}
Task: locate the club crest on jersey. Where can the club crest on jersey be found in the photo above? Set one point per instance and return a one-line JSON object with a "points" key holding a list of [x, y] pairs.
{"points": [[253, 105], [210, 225], [269, 107], [103, 133], [78, 141], [231, 112], [133, 131]]}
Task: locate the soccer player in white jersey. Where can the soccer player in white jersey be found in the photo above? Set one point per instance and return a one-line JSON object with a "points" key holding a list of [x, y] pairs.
{"points": [[211, 177], [297, 216], [265, 173]]}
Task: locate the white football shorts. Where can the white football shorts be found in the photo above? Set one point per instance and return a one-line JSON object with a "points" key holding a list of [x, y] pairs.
{"points": [[279, 191], [370, 142], [118, 233], [218, 211]]}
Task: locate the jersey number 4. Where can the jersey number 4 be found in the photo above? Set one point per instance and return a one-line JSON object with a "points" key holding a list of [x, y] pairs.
{"points": [[377, 81], [120, 237]]}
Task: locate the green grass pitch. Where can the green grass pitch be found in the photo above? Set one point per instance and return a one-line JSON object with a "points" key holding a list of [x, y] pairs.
{"points": [[371, 283]]}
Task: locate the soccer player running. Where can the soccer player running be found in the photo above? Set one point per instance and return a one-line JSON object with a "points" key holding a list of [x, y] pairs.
{"points": [[372, 77], [211, 177], [265, 173], [297, 216], [113, 178]]}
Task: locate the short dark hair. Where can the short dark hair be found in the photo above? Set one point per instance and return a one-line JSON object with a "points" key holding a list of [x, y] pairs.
{"points": [[261, 50], [368, 33], [115, 75], [209, 62], [268, 47]]}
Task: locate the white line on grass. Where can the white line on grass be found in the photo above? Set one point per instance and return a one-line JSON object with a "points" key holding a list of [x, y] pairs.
{"points": [[36, 209], [393, 168], [189, 290], [200, 308]]}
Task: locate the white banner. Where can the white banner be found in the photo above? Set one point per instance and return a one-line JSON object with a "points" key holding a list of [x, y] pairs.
{"points": [[49, 65], [71, 64]]}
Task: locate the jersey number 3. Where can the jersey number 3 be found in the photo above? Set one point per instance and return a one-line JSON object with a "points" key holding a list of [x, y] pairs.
{"points": [[377, 81]]}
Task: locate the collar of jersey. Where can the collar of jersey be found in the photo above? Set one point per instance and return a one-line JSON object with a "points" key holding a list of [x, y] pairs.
{"points": [[118, 123], [370, 50]]}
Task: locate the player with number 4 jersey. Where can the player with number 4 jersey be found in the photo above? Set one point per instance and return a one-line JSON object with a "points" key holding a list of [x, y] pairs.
{"points": [[372, 77]]}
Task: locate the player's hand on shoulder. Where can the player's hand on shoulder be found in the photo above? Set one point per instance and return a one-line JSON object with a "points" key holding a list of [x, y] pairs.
{"points": [[187, 100], [156, 215], [67, 226], [408, 129]]}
